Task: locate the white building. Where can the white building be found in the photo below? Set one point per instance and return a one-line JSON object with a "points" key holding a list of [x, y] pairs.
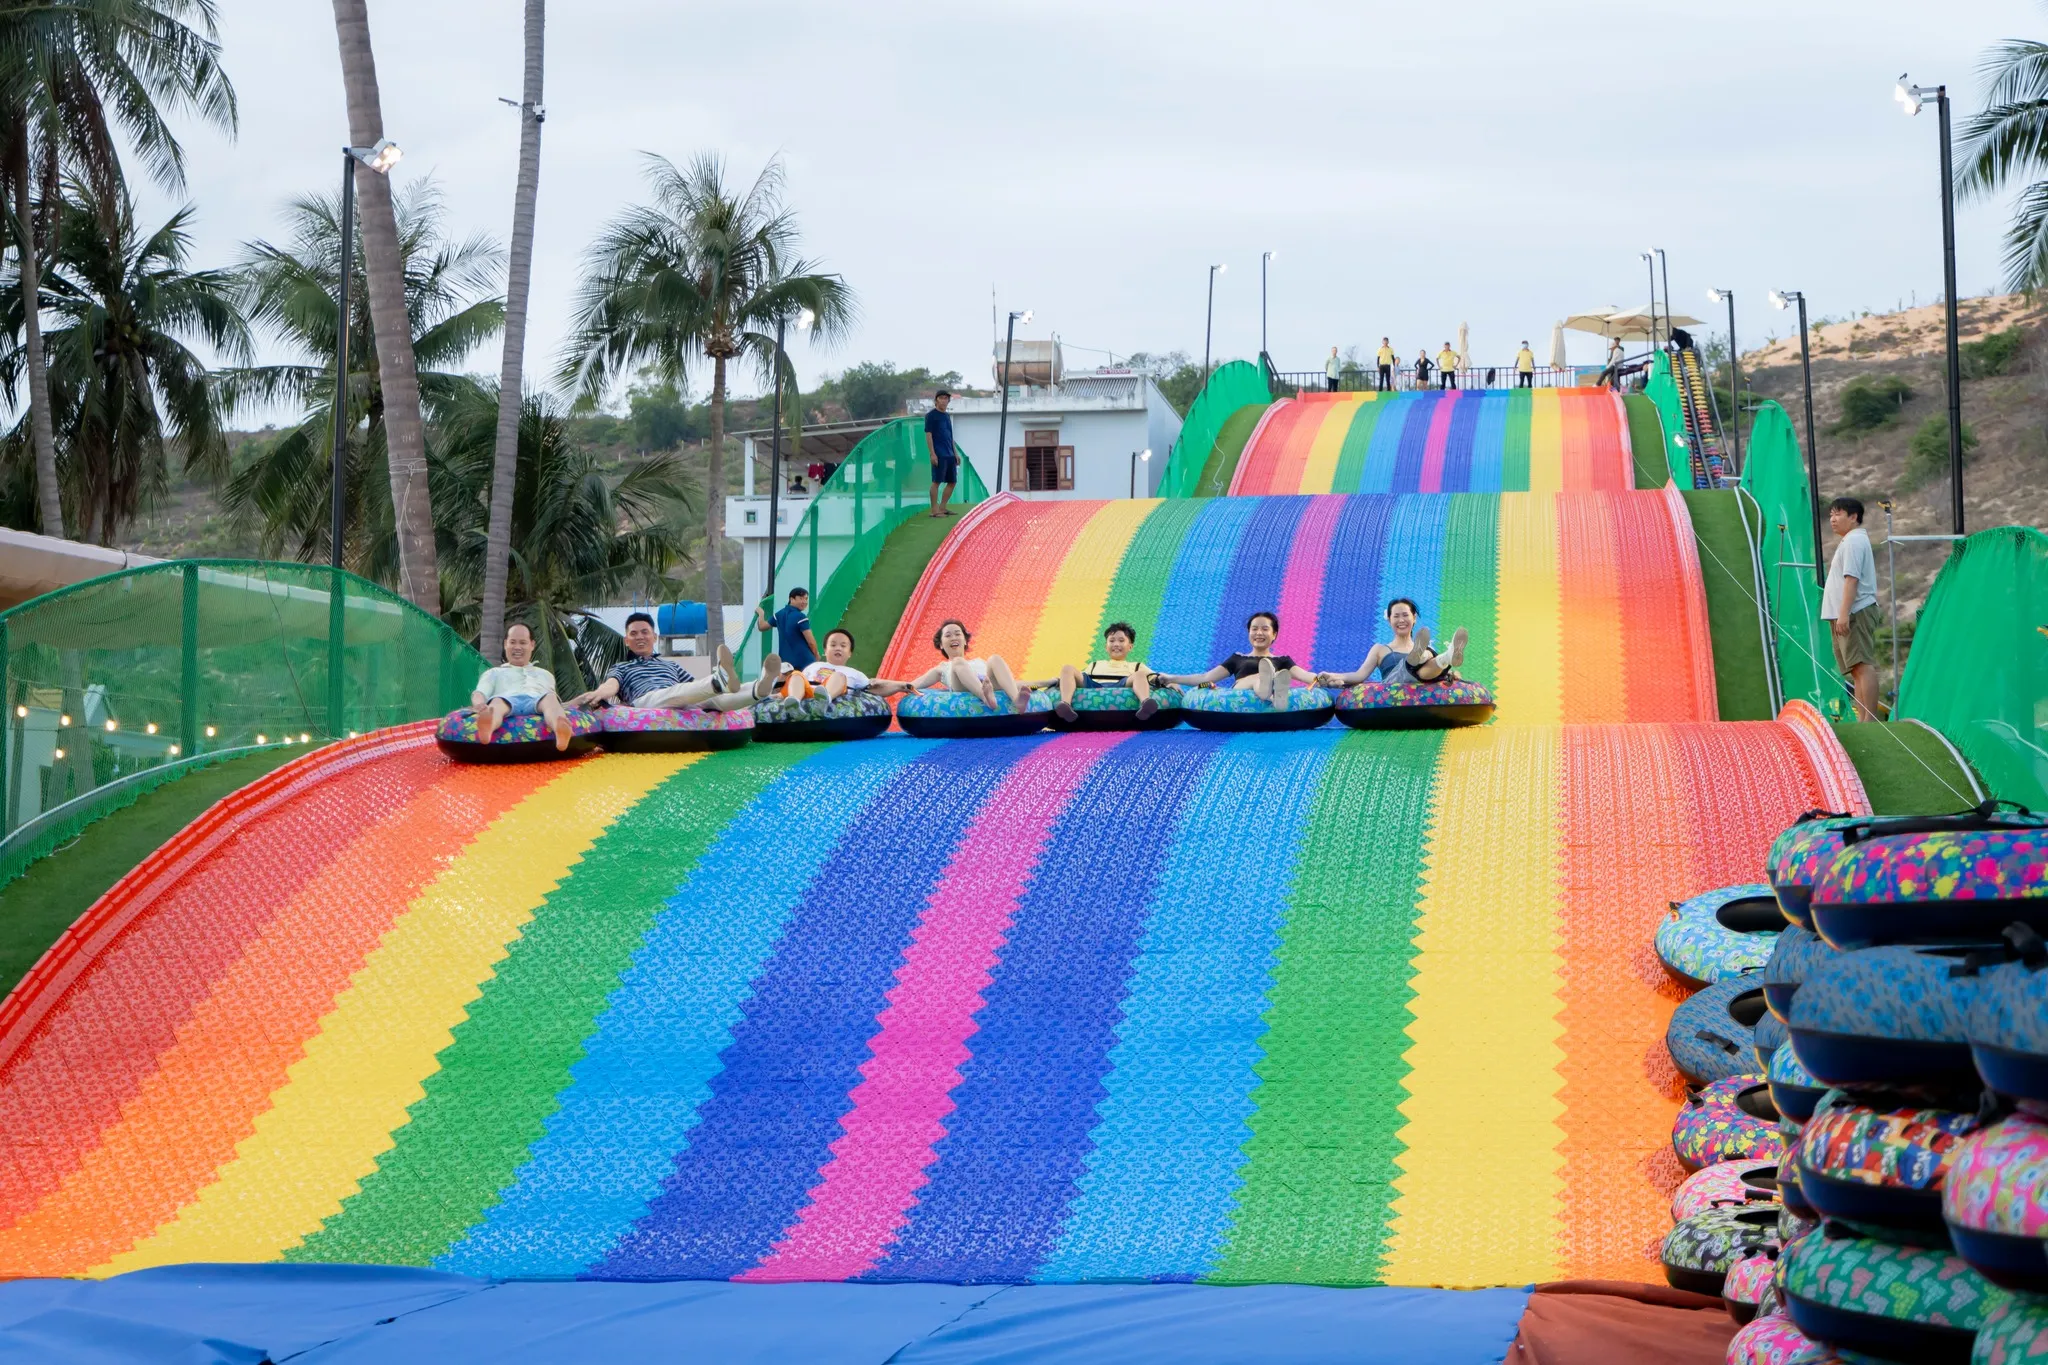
{"points": [[1081, 437]]}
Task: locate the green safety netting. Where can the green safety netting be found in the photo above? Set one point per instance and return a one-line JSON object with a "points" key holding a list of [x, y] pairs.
{"points": [[1231, 387], [119, 675], [1780, 518], [883, 482], [1979, 667]]}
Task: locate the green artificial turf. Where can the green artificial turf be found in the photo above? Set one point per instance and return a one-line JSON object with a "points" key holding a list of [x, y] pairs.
{"points": [[878, 603], [42, 902], [1728, 575], [1906, 770], [1646, 437], [1228, 450]]}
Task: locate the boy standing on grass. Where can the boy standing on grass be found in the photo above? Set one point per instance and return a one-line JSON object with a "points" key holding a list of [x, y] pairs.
{"points": [[1849, 604]]}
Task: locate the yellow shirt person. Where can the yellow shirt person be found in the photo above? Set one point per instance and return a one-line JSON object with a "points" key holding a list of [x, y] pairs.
{"points": [[1525, 367], [1447, 368]]}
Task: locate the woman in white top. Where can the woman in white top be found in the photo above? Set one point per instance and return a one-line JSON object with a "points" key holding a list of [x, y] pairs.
{"points": [[960, 671]]}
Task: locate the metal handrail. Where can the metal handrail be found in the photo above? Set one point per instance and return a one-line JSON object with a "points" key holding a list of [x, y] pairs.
{"points": [[1478, 377]]}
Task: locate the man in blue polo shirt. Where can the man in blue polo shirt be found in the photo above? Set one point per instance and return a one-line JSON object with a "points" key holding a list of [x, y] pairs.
{"points": [[794, 642], [938, 438]]}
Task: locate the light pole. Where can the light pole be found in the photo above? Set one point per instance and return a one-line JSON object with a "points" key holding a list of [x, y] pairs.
{"points": [[1727, 296], [380, 158], [1003, 422], [1265, 259], [1783, 298], [1664, 268], [1910, 98], [803, 321], [1209, 328], [1137, 455], [1650, 262]]}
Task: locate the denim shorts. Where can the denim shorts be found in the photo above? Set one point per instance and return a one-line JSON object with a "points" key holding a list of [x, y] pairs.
{"points": [[520, 706]]}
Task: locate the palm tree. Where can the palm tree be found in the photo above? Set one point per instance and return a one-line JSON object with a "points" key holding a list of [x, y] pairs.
{"points": [[699, 272], [76, 78], [2008, 142], [124, 384], [405, 427], [512, 369], [577, 536], [289, 292]]}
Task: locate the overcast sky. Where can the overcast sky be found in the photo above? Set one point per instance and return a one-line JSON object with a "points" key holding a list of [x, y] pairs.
{"points": [[1413, 165]]}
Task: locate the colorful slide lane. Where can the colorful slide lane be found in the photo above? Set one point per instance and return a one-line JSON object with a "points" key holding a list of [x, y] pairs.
{"points": [[1329, 1007], [1582, 607], [1448, 441]]}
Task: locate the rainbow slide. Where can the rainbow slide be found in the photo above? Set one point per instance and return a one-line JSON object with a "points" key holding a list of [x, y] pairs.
{"points": [[1331, 1007], [1440, 441]]}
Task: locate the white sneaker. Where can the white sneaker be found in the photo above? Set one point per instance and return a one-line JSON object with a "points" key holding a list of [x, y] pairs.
{"points": [[771, 669], [721, 679]]}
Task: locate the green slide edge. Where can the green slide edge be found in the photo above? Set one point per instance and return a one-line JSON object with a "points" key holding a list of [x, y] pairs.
{"points": [[1726, 569], [53, 892], [1646, 438], [883, 596], [1228, 450], [1906, 768]]}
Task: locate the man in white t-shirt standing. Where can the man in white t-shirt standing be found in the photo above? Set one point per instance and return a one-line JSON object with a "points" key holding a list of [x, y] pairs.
{"points": [[1849, 604]]}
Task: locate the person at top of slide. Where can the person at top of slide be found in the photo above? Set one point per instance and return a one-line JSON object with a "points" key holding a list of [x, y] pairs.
{"points": [[1332, 368], [517, 688], [1409, 659], [938, 440], [1422, 369], [1261, 670], [959, 671], [833, 676], [1119, 669], [1849, 604], [1525, 367], [1385, 359], [1447, 368]]}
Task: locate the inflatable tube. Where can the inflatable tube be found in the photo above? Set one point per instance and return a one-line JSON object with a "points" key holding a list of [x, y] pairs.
{"points": [[1995, 1202], [1750, 1283], [1414, 706], [1798, 952], [1238, 709], [1791, 1198], [1797, 856], [1794, 1092], [1728, 1182], [1770, 1034], [801, 720], [1896, 1302], [521, 739], [2014, 1333], [1116, 708], [1770, 1340], [2008, 1027], [1727, 1121], [1880, 1170], [1719, 934], [1698, 1252], [1885, 1017], [1942, 886], [1710, 1035], [939, 714], [663, 730]]}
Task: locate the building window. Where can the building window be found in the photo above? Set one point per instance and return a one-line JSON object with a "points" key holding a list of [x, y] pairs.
{"points": [[752, 516], [1041, 464]]}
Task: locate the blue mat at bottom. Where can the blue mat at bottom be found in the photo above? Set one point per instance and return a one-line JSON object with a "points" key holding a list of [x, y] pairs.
{"points": [[375, 1315]]}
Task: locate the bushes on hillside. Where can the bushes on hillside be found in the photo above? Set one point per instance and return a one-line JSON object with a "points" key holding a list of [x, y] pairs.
{"points": [[1992, 356], [1927, 452], [1870, 402]]}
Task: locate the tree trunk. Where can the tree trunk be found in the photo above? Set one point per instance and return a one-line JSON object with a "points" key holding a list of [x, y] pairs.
{"points": [[42, 431], [714, 510], [419, 577], [511, 370]]}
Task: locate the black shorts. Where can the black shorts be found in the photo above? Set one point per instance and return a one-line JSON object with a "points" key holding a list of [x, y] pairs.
{"points": [[945, 469]]}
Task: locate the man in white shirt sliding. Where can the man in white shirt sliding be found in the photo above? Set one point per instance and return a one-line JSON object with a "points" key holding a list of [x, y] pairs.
{"points": [[517, 688], [1849, 604]]}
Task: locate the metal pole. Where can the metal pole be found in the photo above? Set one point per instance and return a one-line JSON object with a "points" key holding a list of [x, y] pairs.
{"points": [[1003, 421], [1664, 265], [1735, 378], [1209, 327], [1955, 361], [337, 509], [1812, 456], [1650, 261], [1891, 550], [1134, 473], [775, 461], [1262, 302]]}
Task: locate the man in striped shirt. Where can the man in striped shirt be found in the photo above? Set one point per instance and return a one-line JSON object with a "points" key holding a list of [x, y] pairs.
{"points": [[644, 678]]}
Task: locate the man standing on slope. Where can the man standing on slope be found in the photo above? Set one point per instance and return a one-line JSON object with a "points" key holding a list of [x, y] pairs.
{"points": [[1849, 604], [1386, 363], [1447, 368], [1332, 368], [1525, 367], [938, 439]]}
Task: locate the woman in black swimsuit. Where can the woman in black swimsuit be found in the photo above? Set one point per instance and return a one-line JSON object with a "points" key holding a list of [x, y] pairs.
{"points": [[1263, 671]]}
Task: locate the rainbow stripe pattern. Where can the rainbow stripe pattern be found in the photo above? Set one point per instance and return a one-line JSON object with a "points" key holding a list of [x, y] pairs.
{"points": [[1330, 1007], [1582, 607], [1431, 441]]}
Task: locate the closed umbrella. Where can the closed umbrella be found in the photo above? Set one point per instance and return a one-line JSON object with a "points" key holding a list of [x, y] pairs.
{"points": [[1557, 360], [1464, 355]]}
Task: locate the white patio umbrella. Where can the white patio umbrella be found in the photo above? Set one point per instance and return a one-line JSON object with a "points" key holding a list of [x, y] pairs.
{"points": [[1594, 320], [1557, 360], [1639, 320]]}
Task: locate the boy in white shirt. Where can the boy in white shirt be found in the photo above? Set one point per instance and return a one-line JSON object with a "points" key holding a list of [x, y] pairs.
{"points": [[833, 676], [517, 688], [1849, 604]]}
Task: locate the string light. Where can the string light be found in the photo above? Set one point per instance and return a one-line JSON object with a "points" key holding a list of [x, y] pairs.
{"points": [[150, 728], [64, 721], [259, 739], [59, 753], [174, 751], [209, 732], [21, 713], [305, 738], [112, 726]]}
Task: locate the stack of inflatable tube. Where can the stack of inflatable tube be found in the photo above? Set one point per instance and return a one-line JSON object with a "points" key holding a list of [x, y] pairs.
{"points": [[1414, 706], [520, 739], [1711, 1035], [1116, 708], [940, 714], [663, 730], [857, 715], [1729, 1120], [1239, 709], [1719, 934]]}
